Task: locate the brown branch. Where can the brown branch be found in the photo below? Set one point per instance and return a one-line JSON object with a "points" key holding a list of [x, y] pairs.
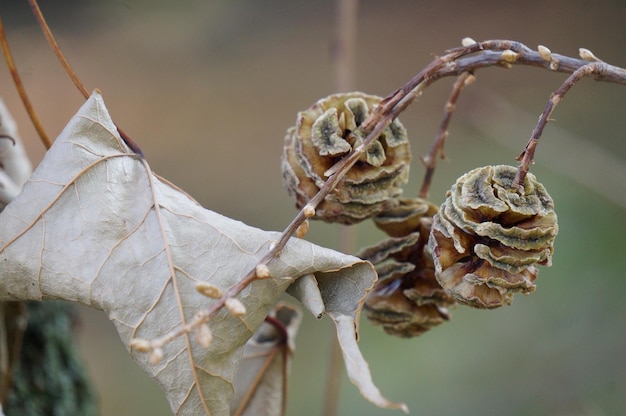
{"points": [[436, 151], [467, 58], [526, 158], [70, 71], [491, 55], [344, 48], [8, 56], [371, 128], [55, 48], [343, 51]]}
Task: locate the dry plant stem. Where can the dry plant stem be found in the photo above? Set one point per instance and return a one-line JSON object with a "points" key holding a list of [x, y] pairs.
{"points": [[436, 151], [344, 46], [344, 70], [453, 63], [70, 71], [527, 156], [491, 55], [55, 48], [21, 90]]}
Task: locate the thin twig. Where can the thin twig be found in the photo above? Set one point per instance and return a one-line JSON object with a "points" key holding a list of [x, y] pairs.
{"points": [[491, 55], [526, 158], [436, 151], [55, 48], [343, 74], [21, 90], [70, 71], [344, 46]]}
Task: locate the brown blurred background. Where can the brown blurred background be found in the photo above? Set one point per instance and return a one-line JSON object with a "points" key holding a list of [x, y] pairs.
{"points": [[208, 89]]}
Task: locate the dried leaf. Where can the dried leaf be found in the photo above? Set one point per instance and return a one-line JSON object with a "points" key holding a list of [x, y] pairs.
{"points": [[94, 225], [345, 314], [261, 381], [15, 167]]}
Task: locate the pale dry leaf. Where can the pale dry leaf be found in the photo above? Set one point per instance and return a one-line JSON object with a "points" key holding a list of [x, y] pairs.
{"points": [[261, 381], [15, 167], [94, 225], [306, 290], [345, 314], [8, 189]]}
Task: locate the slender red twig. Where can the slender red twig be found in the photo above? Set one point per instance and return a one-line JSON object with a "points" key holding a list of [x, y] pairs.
{"points": [[8, 56], [526, 158], [346, 12], [70, 71], [55, 48], [436, 151]]}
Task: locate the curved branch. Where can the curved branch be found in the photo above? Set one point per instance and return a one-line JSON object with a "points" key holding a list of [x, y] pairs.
{"points": [[17, 80], [527, 156], [468, 58]]}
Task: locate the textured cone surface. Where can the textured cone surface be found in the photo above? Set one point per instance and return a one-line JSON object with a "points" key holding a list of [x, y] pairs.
{"points": [[407, 300], [405, 216], [324, 134], [487, 236]]}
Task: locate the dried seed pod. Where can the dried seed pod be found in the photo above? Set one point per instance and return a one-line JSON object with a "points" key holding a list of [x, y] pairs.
{"points": [[487, 237], [325, 133], [405, 217], [407, 300]]}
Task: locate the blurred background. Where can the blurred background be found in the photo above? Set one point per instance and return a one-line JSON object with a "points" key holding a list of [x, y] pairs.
{"points": [[208, 88]]}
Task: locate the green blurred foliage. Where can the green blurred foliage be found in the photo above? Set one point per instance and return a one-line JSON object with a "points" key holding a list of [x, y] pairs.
{"points": [[208, 90]]}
